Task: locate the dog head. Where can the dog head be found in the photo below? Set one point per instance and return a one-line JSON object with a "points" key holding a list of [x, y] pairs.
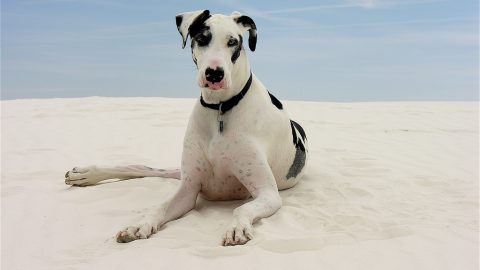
{"points": [[217, 50]]}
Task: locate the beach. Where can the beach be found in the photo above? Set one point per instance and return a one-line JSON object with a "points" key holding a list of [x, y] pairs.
{"points": [[388, 185]]}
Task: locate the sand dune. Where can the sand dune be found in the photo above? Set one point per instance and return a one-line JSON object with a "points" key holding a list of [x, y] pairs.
{"points": [[388, 186]]}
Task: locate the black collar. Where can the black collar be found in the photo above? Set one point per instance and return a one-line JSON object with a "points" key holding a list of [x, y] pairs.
{"points": [[227, 105]]}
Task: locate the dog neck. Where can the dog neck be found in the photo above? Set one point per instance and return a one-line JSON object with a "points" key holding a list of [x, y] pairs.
{"points": [[227, 105]]}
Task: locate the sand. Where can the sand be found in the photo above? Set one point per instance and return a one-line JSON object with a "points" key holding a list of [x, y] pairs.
{"points": [[388, 186]]}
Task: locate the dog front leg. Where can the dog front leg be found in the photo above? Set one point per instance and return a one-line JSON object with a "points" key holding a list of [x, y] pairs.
{"points": [[181, 203], [261, 184], [240, 230]]}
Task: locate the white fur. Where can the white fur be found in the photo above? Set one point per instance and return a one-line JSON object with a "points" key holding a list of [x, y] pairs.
{"points": [[250, 158]]}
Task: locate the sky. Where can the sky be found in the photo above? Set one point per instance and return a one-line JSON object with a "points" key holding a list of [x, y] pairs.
{"points": [[336, 51]]}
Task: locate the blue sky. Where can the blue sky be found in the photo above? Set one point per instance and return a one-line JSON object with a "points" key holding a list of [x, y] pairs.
{"points": [[350, 50]]}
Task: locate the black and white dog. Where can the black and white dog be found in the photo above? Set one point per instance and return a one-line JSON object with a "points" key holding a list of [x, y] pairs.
{"points": [[240, 142]]}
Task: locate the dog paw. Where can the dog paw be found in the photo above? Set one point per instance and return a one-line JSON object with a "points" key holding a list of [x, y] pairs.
{"points": [[133, 233], [82, 176], [239, 233]]}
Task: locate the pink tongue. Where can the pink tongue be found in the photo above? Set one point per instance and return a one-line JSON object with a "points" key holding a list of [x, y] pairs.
{"points": [[214, 86]]}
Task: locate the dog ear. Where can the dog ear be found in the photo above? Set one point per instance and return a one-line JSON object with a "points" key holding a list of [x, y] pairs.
{"points": [[187, 19], [246, 23]]}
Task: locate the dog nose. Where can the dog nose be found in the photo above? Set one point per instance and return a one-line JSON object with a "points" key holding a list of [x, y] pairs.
{"points": [[214, 75]]}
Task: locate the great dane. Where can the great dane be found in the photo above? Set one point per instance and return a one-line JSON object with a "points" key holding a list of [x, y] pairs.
{"points": [[239, 143]]}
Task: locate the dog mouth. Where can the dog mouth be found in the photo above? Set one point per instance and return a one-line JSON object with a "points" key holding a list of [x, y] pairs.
{"points": [[214, 85]]}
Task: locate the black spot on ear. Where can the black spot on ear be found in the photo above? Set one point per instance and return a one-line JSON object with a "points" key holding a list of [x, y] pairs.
{"points": [[275, 101], [198, 25], [178, 20], [246, 21], [252, 32], [252, 40], [237, 50]]}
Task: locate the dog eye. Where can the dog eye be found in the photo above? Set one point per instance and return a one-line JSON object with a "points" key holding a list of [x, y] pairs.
{"points": [[232, 42], [202, 40]]}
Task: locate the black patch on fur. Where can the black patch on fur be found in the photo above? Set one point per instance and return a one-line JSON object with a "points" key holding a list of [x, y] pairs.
{"points": [[300, 153], [203, 38], [198, 25], [300, 129], [199, 33], [297, 165], [275, 101], [178, 20], [237, 50], [194, 60], [252, 32]]}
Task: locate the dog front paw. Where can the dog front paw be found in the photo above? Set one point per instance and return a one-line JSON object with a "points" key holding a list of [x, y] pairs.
{"points": [[133, 233], [83, 176], [239, 233]]}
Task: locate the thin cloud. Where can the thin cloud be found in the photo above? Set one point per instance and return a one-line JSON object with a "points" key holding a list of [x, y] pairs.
{"points": [[367, 4], [392, 23], [277, 15], [310, 8]]}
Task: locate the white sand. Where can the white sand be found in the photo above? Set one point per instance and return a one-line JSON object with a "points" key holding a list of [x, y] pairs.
{"points": [[388, 186]]}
